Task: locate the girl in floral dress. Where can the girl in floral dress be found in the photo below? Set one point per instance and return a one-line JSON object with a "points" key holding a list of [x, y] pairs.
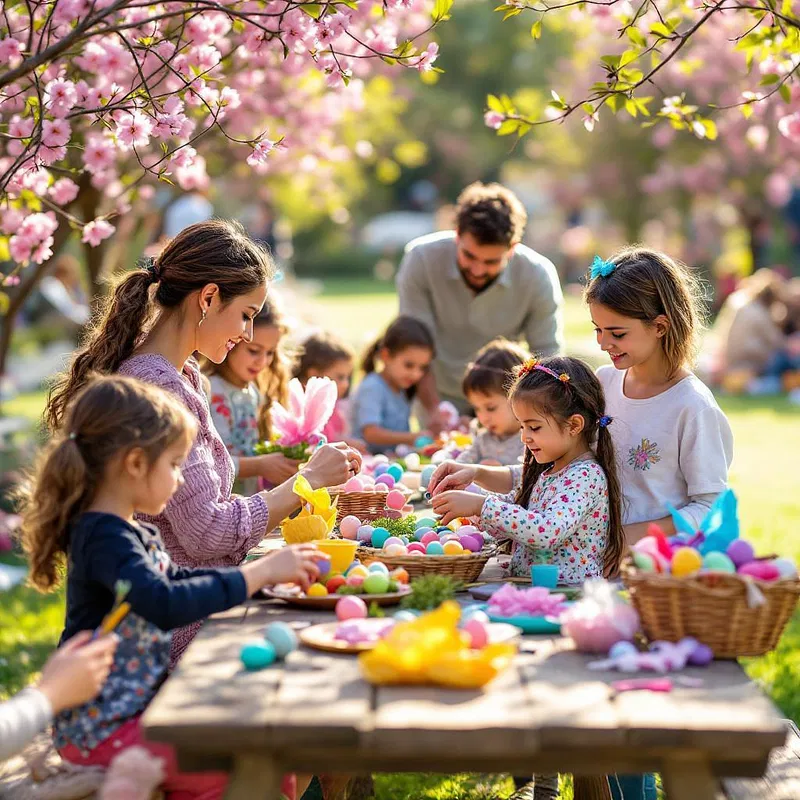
{"points": [[242, 388]]}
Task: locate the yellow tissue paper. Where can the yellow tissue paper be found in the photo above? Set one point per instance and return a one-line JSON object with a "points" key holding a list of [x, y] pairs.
{"points": [[316, 518], [432, 650]]}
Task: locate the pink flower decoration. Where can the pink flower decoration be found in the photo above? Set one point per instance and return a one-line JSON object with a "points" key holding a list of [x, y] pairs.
{"points": [[308, 412], [95, 231]]}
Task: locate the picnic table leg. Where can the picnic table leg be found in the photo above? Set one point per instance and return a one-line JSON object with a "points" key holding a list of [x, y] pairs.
{"points": [[254, 777], [689, 778], [591, 787]]}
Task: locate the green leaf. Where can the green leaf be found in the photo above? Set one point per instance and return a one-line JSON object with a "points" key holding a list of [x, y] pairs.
{"points": [[5, 302], [508, 127], [630, 107], [588, 108], [314, 10], [404, 49], [512, 13], [536, 29], [508, 104], [660, 30], [441, 10], [524, 127], [5, 254], [557, 101], [636, 36], [786, 93], [710, 128], [495, 104], [615, 102], [610, 61], [641, 104], [768, 80]]}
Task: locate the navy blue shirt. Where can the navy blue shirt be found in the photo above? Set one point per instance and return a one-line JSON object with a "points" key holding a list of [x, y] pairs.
{"points": [[103, 549]]}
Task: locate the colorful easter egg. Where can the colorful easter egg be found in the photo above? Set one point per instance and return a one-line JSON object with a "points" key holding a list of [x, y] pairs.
{"points": [[412, 461], [426, 522], [354, 484], [644, 562], [349, 526], [317, 590], [622, 648], [400, 575], [701, 655], [351, 607], [426, 475], [761, 570], [416, 547], [686, 561], [396, 471], [376, 583], [282, 637], [392, 540], [394, 550], [386, 479], [434, 549], [364, 533], [442, 529], [478, 633], [257, 655], [786, 567], [324, 566], [382, 488], [429, 537], [718, 562], [468, 530], [378, 566], [453, 548], [420, 532], [395, 500], [355, 581], [471, 543], [379, 537], [334, 582], [740, 552], [405, 616], [473, 613], [359, 571], [380, 469]]}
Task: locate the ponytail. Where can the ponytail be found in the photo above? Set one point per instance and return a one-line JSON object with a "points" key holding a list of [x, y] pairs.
{"points": [[404, 332], [606, 458], [62, 490], [112, 340], [215, 251], [370, 356]]}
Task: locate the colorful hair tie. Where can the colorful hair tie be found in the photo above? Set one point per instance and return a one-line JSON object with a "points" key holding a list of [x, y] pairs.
{"points": [[605, 421], [601, 268], [533, 364], [527, 366]]}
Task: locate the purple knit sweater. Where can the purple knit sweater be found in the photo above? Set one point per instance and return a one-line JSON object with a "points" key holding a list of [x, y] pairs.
{"points": [[202, 525]]}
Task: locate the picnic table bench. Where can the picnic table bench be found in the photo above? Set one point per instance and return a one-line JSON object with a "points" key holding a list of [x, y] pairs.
{"points": [[315, 713]]}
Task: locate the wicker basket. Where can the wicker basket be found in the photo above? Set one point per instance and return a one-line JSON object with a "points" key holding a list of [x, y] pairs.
{"points": [[367, 506], [466, 568], [713, 608]]}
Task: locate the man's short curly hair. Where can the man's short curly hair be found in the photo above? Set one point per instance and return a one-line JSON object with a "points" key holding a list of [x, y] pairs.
{"points": [[491, 213]]}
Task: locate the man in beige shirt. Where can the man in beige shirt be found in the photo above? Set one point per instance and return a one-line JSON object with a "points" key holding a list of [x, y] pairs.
{"points": [[476, 283]]}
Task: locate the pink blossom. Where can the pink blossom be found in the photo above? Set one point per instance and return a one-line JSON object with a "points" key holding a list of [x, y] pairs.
{"points": [[20, 249], [10, 52], [133, 129], [758, 137], [194, 176], [789, 126], [183, 157], [260, 152], [428, 57], [493, 119], [11, 219], [56, 132], [43, 251], [22, 128], [63, 191], [95, 231], [98, 153], [60, 96]]}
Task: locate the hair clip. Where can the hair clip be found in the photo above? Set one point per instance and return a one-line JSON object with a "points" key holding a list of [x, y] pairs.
{"points": [[563, 377], [527, 367], [601, 268], [605, 421], [149, 264], [73, 436]]}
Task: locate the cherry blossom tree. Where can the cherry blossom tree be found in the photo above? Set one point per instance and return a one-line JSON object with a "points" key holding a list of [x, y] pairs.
{"points": [[102, 99]]}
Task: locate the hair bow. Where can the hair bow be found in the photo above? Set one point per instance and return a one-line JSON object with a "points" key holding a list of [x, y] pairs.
{"points": [[601, 268]]}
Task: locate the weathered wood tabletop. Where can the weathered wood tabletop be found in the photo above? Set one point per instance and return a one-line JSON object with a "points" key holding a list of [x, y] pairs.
{"points": [[548, 713]]}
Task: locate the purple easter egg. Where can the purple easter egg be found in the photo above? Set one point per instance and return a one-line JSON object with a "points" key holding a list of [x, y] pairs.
{"points": [[471, 543], [386, 480], [701, 655], [740, 552], [392, 513], [380, 469]]}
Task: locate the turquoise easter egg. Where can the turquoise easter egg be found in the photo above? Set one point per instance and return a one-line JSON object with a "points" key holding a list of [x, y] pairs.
{"points": [[378, 566], [405, 616], [644, 562], [282, 637], [434, 549], [426, 522], [718, 562], [379, 537], [257, 654], [396, 471]]}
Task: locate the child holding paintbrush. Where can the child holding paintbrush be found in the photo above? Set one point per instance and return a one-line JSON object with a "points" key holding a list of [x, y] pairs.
{"points": [[121, 454]]}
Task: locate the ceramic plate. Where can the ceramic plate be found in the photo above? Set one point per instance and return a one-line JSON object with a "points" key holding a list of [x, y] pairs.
{"points": [[293, 596]]}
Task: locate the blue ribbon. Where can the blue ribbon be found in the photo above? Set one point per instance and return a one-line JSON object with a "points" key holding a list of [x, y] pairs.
{"points": [[601, 268]]}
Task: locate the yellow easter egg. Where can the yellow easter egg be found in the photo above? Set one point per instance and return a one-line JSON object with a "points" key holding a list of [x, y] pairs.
{"points": [[359, 571], [686, 561], [317, 590], [453, 548]]}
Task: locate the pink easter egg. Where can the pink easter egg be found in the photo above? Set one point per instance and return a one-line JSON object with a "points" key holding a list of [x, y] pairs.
{"points": [[395, 500], [385, 479], [448, 537], [478, 633], [393, 514], [354, 485], [761, 570], [392, 540], [416, 547], [429, 537], [351, 607], [416, 553], [355, 581], [349, 526], [381, 488]]}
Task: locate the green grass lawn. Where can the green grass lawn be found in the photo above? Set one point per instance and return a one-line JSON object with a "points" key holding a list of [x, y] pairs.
{"points": [[764, 475]]}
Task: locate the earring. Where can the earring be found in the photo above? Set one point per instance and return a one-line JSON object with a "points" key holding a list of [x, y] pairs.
{"points": [[203, 318]]}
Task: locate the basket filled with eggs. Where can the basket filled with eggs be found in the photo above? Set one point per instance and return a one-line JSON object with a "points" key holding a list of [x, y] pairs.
{"points": [[368, 496], [710, 585], [420, 546]]}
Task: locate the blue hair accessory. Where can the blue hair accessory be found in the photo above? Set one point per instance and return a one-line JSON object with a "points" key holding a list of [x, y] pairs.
{"points": [[605, 421], [601, 268]]}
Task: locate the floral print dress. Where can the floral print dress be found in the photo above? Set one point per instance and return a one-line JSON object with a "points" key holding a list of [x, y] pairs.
{"points": [[566, 522]]}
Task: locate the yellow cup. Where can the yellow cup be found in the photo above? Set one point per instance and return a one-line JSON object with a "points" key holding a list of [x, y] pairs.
{"points": [[341, 552]]}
